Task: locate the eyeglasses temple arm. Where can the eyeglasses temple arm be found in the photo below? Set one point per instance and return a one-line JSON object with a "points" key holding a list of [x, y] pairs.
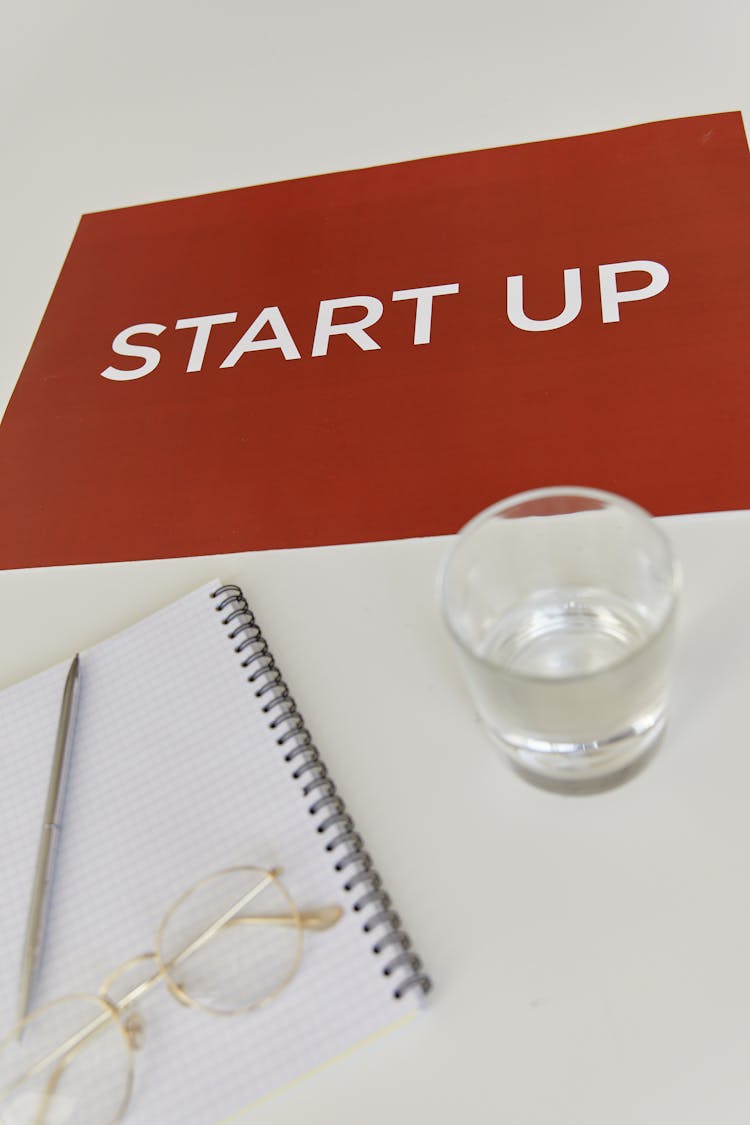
{"points": [[321, 919], [72, 1043]]}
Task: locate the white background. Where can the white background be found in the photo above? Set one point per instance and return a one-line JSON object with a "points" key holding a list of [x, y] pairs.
{"points": [[589, 955]]}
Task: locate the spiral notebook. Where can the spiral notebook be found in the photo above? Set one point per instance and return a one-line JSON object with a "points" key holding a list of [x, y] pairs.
{"points": [[189, 757]]}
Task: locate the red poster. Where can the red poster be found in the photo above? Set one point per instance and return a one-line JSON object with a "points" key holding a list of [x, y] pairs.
{"points": [[380, 353]]}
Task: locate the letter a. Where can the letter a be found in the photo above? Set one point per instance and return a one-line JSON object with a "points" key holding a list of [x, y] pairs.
{"points": [[282, 337]]}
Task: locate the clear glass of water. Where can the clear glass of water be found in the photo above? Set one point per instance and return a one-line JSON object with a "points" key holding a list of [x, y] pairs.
{"points": [[562, 602]]}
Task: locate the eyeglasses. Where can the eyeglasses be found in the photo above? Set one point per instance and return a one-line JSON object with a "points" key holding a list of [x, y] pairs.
{"points": [[228, 945]]}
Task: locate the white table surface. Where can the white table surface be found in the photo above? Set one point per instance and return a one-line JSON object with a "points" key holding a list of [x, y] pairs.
{"points": [[589, 954]]}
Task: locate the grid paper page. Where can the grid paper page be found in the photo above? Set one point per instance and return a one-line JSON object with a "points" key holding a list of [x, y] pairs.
{"points": [[175, 774]]}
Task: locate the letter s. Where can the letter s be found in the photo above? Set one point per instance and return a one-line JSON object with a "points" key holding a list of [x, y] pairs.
{"points": [[121, 346]]}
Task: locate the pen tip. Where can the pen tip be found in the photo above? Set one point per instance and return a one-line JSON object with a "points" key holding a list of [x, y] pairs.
{"points": [[23, 1005]]}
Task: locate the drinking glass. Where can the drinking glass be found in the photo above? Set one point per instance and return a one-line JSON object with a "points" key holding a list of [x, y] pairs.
{"points": [[562, 603]]}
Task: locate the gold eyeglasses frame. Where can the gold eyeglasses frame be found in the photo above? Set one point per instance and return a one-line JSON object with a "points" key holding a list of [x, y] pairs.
{"points": [[130, 1028]]}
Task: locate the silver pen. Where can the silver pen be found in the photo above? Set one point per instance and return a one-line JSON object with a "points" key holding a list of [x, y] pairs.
{"points": [[51, 825]]}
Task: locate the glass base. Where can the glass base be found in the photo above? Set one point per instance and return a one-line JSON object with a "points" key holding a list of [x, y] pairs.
{"points": [[588, 768]]}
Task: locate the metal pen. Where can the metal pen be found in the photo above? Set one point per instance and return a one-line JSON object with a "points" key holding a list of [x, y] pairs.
{"points": [[48, 843]]}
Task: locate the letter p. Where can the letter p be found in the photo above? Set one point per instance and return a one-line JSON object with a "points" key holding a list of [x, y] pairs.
{"points": [[612, 297]]}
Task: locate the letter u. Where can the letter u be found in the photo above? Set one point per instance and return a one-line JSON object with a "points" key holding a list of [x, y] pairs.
{"points": [[518, 317]]}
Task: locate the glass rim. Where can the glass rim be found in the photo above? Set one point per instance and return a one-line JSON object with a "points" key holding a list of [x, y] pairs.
{"points": [[110, 1016], [166, 969], [612, 499]]}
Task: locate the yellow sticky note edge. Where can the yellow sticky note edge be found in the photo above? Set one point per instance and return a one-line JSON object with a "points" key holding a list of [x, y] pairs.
{"points": [[319, 1069]]}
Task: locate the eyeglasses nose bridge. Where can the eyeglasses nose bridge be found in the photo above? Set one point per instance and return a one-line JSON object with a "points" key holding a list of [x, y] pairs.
{"points": [[175, 989], [135, 1029]]}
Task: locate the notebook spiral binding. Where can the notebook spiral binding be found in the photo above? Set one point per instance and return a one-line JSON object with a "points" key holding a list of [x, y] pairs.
{"points": [[333, 821]]}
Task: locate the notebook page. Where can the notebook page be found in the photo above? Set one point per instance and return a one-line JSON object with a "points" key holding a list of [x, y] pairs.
{"points": [[175, 774]]}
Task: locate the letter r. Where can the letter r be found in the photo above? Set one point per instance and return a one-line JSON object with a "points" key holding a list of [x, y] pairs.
{"points": [[355, 329]]}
